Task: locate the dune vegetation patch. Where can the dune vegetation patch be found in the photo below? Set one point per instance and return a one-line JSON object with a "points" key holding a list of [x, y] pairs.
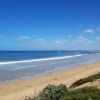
{"points": [[61, 92], [85, 80]]}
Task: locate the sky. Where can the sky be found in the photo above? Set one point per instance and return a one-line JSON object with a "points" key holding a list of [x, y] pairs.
{"points": [[49, 24]]}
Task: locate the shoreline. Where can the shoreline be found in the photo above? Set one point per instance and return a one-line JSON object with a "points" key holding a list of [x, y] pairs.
{"points": [[43, 74], [18, 89], [46, 73]]}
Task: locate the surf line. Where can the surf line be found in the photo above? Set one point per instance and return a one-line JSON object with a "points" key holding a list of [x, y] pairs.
{"points": [[35, 60]]}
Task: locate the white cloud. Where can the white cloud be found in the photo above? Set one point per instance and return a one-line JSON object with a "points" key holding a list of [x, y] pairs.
{"points": [[64, 44], [80, 37], [89, 41], [23, 37], [89, 31], [58, 41], [80, 42], [97, 38], [39, 42], [92, 30]]}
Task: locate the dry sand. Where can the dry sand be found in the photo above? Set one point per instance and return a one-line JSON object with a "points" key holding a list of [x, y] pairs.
{"points": [[18, 89]]}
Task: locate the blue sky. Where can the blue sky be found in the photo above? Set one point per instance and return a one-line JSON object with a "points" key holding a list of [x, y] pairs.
{"points": [[49, 24]]}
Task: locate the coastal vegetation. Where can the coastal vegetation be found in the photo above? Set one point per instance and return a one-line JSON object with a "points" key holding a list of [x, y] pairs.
{"points": [[61, 92], [52, 92], [85, 93], [85, 80]]}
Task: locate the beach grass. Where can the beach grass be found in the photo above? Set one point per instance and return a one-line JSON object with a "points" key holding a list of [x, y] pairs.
{"points": [[85, 93], [85, 80]]}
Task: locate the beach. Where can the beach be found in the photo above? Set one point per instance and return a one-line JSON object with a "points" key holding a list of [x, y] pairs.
{"points": [[19, 89], [49, 48]]}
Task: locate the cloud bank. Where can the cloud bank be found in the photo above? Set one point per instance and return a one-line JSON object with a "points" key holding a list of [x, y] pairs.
{"points": [[81, 41]]}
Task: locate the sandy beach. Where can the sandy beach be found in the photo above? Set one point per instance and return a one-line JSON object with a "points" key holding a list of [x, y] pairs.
{"points": [[49, 43], [18, 89]]}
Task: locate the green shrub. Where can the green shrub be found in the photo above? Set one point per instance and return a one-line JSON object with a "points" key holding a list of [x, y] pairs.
{"points": [[52, 92]]}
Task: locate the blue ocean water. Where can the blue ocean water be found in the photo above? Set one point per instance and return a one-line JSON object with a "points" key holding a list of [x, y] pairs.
{"points": [[28, 55], [21, 64]]}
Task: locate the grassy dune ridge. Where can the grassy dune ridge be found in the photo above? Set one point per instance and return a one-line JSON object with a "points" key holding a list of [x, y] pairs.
{"points": [[85, 80]]}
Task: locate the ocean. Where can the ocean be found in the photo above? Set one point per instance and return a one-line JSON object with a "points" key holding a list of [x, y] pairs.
{"points": [[23, 64]]}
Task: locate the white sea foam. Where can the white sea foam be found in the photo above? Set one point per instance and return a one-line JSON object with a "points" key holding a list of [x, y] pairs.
{"points": [[35, 60], [22, 67]]}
